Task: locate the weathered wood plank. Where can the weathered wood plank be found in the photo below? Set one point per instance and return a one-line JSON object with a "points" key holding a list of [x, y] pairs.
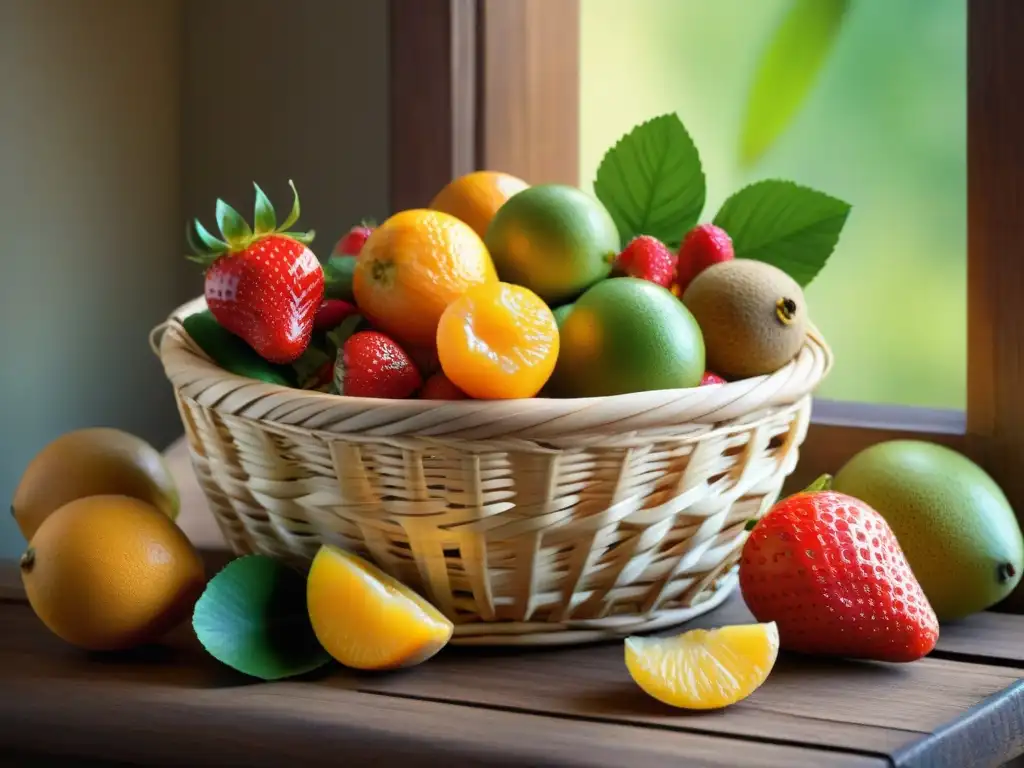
{"points": [[135, 709]]}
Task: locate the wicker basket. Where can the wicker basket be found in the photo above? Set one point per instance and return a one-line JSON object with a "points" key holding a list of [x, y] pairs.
{"points": [[525, 521]]}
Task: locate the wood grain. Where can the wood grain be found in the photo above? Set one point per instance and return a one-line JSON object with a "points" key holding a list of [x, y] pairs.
{"points": [[530, 89], [174, 706], [432, 97], [995, 271]]}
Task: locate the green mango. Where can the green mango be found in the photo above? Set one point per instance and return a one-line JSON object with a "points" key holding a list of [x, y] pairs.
{"points": [[952, 521], [231, 353]]}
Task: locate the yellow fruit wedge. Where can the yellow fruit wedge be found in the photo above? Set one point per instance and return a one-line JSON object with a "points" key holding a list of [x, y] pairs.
{"points": [[366, 619], [704, 669]]}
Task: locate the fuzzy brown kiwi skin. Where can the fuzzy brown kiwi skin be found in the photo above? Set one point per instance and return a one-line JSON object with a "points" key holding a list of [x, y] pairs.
{"points": [[753, 317]]}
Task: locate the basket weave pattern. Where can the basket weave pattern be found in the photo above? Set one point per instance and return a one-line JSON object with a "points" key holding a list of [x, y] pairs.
{"points": [[529, 521]]}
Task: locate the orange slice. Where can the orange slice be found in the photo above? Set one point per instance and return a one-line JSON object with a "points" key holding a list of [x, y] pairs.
{"points": [[366, 619], [704, 669]]}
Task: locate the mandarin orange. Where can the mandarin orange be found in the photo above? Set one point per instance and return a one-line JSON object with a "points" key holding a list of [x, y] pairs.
{"points": [[366, 619], [414, 265], [476, 197], [498, 341]]}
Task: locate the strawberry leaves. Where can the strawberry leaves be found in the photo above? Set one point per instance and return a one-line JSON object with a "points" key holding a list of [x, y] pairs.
{"points": [[264, 217], [235, 230], [233, 227]]}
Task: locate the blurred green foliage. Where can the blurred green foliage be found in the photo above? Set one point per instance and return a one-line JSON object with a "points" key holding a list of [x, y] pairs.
{"points": [[882, 126]]}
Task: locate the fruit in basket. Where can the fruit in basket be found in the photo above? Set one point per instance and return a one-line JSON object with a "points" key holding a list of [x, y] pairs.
{"points": [[498, 341], [711, 378], [332, 313], [412, 267], [231, 353], [827, 568], [110, 573], [476, 197], [352, 242], [952, 520], [704, 668], [703, 246], [555, 240], [627, 335], [90, 462], [648, 258], [263, 283], [367, 619], [440, 387], [752, 314], [372, 365]]}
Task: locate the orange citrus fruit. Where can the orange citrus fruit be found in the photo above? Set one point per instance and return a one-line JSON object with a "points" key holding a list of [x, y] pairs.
{"points": [[477, 196], [414, 265], [498, 341], [704, 668], [110, 572], [365, 618]]}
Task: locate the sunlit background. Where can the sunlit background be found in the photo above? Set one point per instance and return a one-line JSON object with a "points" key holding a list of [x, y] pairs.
{"points": [[883, 126]]}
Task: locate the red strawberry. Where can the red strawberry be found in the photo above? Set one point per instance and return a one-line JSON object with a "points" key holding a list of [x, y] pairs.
{"points": [[263, 285], [711, 378], [648, 258], [331, 314], [828, 570], [703, 246], [372, 365], [440, 387], [352, 242]]}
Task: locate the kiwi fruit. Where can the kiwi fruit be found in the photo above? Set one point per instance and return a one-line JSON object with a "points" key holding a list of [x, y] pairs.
{"points": [[752, 314]]}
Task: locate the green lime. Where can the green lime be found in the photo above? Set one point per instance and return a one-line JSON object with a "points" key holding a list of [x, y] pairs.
{"points": [[554, 239], [627, 335]]}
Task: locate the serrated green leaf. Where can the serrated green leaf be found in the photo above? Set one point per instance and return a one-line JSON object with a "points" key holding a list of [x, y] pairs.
{"points": [[212, 243], [792, 227], [788, 69], [293, 216], [253, 618], [264, 219], [651, 181], [232, 226]]}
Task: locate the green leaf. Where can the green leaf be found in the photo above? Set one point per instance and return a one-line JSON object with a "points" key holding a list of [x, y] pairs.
{"points": [[308, 365], [788, 69], [293, 216], [823, 483], [651, 181], [789, 226], [306, 238], [338, 336], [232, 226], [211, 242], [264, 218], [252, 617], [338, 274]]}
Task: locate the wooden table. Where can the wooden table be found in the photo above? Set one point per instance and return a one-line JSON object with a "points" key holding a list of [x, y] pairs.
{"points": [[173, 705]]}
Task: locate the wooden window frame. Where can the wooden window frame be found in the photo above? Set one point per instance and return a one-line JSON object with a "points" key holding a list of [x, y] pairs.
{"points": [[495, 84]]}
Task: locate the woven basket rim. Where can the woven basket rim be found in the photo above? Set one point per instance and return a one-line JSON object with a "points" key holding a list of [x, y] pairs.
{"points": [[195, 376]]}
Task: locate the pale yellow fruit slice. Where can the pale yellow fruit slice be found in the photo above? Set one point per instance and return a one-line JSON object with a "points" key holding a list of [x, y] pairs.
{"points": [[704, 669], [366, 619]]}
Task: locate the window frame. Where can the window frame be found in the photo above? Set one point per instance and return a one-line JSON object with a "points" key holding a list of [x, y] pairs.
{"points": [[509, 73]]}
